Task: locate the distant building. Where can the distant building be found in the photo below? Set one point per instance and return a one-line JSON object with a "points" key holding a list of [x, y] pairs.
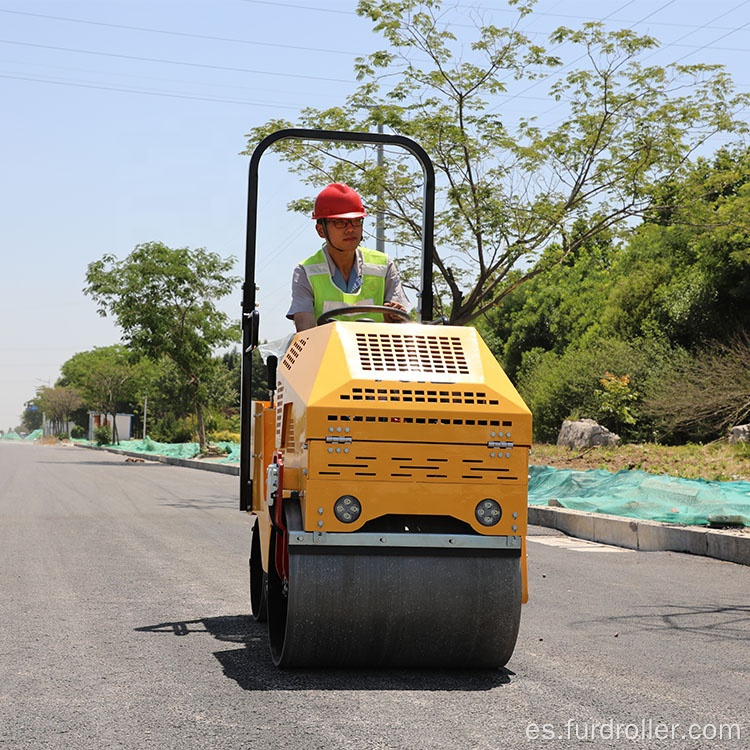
{"points": [[124, 424]]}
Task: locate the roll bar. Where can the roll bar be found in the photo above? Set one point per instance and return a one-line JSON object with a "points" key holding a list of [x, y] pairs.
{"points": [[251, 316]]}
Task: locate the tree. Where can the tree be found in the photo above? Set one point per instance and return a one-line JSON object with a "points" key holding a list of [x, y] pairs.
{"points": [[106, 377], [32, 418], [509, 195], [58, 404], [164, 301], [550, 316], [686, 270]]}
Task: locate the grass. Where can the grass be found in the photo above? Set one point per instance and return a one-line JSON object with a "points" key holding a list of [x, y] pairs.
{"points": [[718, 461]]}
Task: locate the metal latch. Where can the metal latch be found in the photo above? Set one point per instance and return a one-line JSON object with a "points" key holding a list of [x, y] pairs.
{"points": [[499, 444], [272, 483], [338, 439]]}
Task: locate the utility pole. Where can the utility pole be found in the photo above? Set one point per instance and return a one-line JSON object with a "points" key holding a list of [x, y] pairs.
{"points": [[380, 216]]}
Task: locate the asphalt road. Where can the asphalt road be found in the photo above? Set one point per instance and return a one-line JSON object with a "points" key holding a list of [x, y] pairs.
{"points": [[123, 624]]}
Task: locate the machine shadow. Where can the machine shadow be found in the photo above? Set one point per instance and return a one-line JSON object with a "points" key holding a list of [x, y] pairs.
{"points": [[251, 666]]}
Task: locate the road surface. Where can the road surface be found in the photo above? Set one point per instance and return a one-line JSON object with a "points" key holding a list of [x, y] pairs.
{"points": [[123, 603]]}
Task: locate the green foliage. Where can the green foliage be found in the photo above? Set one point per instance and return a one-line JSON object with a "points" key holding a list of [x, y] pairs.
{"points": [[169, 429], [569, 385], [31, 419], [224, 436], [551, 313], [164, 301], [77, 432], [686, 271], [103, 435], [108, 378], [741, 450], [58, 403], [615, 400], [509, 194]]}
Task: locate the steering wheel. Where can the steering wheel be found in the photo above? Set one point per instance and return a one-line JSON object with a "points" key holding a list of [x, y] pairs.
{"points": [[329, 315]]}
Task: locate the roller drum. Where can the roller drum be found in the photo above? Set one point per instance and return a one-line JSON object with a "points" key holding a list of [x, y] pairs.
{"points": [[355, 606]]}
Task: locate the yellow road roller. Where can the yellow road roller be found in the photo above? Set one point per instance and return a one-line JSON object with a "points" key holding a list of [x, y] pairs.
{"points": [[387, 481]]}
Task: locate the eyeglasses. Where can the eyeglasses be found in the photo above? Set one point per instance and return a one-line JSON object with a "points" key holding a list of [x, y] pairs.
{"points": [[344, 223]]}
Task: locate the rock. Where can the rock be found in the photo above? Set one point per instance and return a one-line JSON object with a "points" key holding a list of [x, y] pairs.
{"points": [[585, 433], [740, 434]]}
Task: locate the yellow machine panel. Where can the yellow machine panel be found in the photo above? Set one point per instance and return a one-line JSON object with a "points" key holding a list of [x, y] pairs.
{"points": [[412, 419]]}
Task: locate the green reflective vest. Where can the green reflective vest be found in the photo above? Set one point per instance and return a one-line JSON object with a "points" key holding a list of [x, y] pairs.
{"points": [[328, 296]]}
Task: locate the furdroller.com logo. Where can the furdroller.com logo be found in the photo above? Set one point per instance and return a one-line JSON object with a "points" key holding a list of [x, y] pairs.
{"points": [[646, 729]]}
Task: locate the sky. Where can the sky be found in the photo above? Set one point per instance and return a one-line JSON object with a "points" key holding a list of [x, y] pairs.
{"points": [[122, 122]]}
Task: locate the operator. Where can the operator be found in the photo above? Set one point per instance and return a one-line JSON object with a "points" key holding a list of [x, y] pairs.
{"points": [[342, 273]]}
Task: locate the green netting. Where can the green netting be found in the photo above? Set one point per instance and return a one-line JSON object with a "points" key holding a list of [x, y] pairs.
{"points": [[175, 450], [637, 494], [179, 450], [11, 435], [35, 435], [232, 450]]}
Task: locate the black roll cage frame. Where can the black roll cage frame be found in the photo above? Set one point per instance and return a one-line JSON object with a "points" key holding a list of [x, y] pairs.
{"points": [[251, 315]]}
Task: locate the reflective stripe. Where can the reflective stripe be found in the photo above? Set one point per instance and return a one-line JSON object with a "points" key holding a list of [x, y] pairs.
{"points": [[334, 305], [315, 268], [370, 269]]}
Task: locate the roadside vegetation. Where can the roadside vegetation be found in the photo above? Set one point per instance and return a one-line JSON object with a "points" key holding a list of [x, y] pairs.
{"points": [[606, 260], [717, 461]]}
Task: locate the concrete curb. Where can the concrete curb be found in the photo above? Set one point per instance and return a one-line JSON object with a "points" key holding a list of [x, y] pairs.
{"points": [[646, 536], [188, 463]]}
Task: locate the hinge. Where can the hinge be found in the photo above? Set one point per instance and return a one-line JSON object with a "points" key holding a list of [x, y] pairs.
{"points": [[500, 444]]}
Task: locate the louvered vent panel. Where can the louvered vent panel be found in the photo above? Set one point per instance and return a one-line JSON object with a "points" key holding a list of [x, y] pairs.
{"points": [[436, 354], [293, 352], [279, 412]]}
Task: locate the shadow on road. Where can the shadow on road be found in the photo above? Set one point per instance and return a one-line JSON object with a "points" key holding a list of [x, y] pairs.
{"points": [[726, 622], [252, 669]]}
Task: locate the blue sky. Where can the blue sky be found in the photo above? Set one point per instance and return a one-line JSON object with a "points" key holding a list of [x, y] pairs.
{"points": [[122, 123]]}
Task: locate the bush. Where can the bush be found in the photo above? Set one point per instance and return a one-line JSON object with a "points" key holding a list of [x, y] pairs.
{"points": [[103, 435], [223, 436], [557, 387], [171, 430], [78, 432], [700, 396]]}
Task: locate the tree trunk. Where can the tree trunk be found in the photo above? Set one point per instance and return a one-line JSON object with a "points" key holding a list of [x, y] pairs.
{"points": [[201, 427]]}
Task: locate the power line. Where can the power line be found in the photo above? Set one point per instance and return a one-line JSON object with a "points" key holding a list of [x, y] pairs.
{"points": [[185, 34], [706, 25], [205, 66], [121, 89]]}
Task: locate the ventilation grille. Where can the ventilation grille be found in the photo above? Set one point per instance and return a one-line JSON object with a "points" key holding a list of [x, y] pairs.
{"points": [[279, 411], [426, 469], [396, 352], [404, 419], [293, 352], [420, 396]]}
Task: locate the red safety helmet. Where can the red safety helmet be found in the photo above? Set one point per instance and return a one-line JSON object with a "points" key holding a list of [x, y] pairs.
{"points": [[338, 201]]}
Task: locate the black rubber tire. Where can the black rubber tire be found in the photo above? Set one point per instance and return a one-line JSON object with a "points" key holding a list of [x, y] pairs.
{"points": [[258, 579]]}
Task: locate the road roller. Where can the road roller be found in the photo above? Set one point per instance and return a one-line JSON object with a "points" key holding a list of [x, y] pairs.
{"points": [[386, 479]]}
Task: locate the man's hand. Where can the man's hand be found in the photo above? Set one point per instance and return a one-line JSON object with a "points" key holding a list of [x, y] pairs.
{"points": [[393, 318]]}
